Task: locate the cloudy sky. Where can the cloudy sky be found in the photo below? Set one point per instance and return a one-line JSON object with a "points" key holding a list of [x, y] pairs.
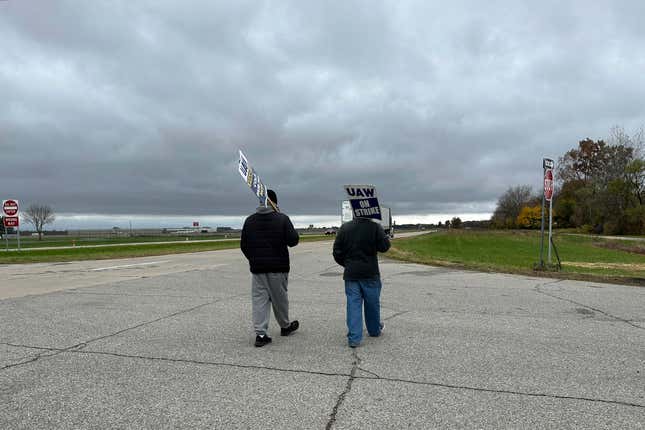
{"points": [[120, 110]]}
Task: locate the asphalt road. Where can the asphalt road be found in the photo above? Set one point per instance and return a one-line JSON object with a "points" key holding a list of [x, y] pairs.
{"points": [[166, 342]]}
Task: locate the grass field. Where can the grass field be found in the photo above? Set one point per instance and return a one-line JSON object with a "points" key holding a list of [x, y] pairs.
{"points": [[47, 241], [125, 251], [582, 257]]}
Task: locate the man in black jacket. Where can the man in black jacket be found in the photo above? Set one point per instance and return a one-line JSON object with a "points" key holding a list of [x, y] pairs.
{"points": [[355, 248], [265, 237]]}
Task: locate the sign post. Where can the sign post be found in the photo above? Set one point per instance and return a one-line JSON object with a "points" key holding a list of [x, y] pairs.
{"points": [[11, 209], [548, 195], [6, 236], [547, 171]]}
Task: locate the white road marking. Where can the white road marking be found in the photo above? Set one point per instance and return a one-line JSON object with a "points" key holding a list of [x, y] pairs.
{"points": [[128, 265]]}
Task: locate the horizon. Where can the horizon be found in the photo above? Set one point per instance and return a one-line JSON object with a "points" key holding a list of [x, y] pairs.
{"points": [[66, 221]]}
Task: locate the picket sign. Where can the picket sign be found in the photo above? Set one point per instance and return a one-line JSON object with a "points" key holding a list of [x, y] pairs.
{"points": [[364, 201], [250, 176]]}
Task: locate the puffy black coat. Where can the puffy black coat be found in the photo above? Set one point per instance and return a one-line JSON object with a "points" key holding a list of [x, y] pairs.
{"points": [[265, 237], [356, 246]]}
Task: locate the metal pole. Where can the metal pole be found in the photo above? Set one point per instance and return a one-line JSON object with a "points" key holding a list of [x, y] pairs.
{"points": [[18, 237], [542, 227], [550, 224]]}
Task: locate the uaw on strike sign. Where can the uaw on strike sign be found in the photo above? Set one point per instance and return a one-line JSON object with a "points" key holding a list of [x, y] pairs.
{"points": [[364, 201], [252, 179]]}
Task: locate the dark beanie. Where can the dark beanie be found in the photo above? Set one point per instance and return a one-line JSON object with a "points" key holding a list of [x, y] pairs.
{"points": [[272, 196]]}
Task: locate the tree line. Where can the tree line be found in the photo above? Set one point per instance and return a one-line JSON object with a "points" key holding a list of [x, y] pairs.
{"points": [[600, 188]]}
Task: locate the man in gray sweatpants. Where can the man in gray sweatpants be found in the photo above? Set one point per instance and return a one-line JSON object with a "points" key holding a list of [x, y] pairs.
{"points": [[265, 237]]}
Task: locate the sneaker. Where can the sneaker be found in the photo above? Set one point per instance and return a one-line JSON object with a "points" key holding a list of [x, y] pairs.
{"points": [[353, 345], [292, 327], [262, 340]]}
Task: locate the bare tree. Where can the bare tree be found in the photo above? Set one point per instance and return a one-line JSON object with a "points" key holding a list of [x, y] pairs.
{"points": [[39, 216], [510, 205], [618, 136]]}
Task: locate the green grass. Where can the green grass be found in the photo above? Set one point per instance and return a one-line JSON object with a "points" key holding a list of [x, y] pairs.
{"points": [[518, 251], [127, 251]]}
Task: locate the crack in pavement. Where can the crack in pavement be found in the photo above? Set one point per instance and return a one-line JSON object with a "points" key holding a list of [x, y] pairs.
{"points": [[210, 363], [81, 345], [55, 351], [74, 292], [626, 321], [369, 372], [491, 390], [396, 315], [348, 387], [352, 376], [30, 346], [31, 360], [182, 360]]}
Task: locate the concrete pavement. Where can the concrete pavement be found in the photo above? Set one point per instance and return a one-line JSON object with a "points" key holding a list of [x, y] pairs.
{"points": [[166, 342]]}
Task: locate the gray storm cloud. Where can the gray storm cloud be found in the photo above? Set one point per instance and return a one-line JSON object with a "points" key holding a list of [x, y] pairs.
{"points": [[140, 107]]}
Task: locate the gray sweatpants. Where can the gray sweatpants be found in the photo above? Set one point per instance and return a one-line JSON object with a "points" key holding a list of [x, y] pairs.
{"points": [[269, 288]]}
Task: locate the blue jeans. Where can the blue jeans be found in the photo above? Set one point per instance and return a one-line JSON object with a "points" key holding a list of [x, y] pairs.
{"points": [[363, 293]]}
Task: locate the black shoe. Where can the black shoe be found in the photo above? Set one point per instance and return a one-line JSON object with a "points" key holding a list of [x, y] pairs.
{"points": [[262, 340], [292, 327]]}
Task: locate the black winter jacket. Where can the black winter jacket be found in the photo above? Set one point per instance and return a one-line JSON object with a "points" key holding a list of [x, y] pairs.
{"points": [[356, 246], [265, 237]]}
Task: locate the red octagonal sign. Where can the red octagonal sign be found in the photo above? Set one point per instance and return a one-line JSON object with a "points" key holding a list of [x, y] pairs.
{"points": [[548, 185], [10, 207]]}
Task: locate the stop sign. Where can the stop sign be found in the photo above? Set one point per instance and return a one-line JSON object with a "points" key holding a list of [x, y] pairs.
{"points": [[10, 207], [548, 184]]}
